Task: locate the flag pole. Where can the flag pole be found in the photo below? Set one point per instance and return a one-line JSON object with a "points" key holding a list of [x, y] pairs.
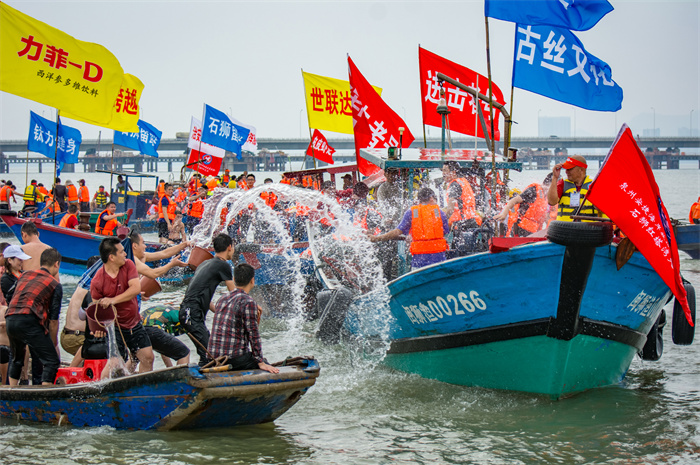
{"points": [[308, 123], [493, 145], [55, 168], [111, 171]]}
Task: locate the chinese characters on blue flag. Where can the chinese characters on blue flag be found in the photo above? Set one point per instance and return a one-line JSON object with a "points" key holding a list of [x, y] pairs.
{"points": [[218, 130], [577, 15], [42, 137], [552, 62], [146, 141]]}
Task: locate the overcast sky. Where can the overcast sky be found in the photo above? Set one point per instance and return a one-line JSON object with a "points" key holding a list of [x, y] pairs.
{"points": [[245, 58]]}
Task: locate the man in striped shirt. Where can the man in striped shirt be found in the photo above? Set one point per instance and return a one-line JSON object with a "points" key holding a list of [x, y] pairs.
{"points": [[235, 328]]}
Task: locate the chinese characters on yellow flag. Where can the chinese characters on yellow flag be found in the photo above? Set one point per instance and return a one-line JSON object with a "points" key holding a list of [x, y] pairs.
{"points": [[125, 110], [44, 64], [329, 103]]}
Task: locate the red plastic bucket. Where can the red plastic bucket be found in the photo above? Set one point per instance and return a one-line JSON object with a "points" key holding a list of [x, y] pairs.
{"points": [[98, 317], [198, 256], [149, 286]]}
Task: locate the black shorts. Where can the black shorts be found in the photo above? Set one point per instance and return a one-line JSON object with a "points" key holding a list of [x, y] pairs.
{"points": [[136, 338], [166, 344], [4, 357], [163, 229]]}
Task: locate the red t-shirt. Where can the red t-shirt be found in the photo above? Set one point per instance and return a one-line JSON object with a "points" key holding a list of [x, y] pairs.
{"points": [[72, 222], [103, 285]]}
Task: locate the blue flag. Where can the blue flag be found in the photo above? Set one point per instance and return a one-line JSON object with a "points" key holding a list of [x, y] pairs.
{"points": [[577, 15], [146, 141], [552, 62], [42, 139], [218, 130]]}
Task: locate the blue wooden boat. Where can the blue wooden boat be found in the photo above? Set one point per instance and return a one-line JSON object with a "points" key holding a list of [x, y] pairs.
{"points": [[76, 247], [554, 317], [688, 239], [181, 397]]}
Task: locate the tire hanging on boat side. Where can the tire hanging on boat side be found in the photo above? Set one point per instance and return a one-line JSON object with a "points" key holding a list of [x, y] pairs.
{"points": [[654, 347], [333, 314], [681, 331], [580, 234]]}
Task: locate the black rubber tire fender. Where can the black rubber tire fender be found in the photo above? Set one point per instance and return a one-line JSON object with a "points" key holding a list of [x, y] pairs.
{"points": [[654, 347], [681, 331], [580, 234], [8, 213]]}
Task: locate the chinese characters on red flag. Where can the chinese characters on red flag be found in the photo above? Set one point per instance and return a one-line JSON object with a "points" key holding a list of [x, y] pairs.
{"points": [[375, 124], [319, 148], [463, 115], [626, 191]]}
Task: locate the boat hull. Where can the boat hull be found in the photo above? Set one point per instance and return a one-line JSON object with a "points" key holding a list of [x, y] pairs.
{"points": [[688, 239], [174, 398], [503, 320]]}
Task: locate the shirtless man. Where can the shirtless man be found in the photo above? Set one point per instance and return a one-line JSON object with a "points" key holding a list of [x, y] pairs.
{"points": [[177, 234], [32, 246], [73, 333]]}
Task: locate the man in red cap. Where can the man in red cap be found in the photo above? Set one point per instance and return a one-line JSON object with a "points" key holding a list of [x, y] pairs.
{"points": [[571, 192]]}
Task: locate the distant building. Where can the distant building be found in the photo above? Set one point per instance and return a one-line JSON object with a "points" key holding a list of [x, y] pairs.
{"points": [[559, 126]]}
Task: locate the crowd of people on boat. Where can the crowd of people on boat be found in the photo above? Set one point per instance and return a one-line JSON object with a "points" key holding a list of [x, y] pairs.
{"points": [[110, 292]]}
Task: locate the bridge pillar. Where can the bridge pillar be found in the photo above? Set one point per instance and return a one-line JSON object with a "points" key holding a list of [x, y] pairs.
{"points": [[170, 166], [40, 166]]}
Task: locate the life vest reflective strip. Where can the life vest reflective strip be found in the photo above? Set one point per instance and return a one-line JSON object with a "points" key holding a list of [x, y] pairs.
{"points": [[566, 210], [468, 201], [105, 227], [72, 193], [64, 220], [30, 194], [100, 199], [426, 230], [536, 213], [694, 212], [84, 194], [172, 206], [197, 209]]}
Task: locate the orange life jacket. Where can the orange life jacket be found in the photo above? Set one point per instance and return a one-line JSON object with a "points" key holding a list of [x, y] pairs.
{"points": [[84, 194], [360, 220], [180, 195], [536, 214], [64, 220], [426, 230], [56, 206], [43, 190], [72, 193], [243, 185], [172, 206], [225, 179], [222, 217], [270, 198], [161, 188], [197, 209], [694, 211], [105, 227], [5, 193], [468, 201], [213, 184]]}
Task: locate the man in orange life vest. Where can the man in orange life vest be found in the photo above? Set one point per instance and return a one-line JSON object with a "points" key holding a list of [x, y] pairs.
{"points": [[71, 193], [166, 214], [694, 216], [83, 196], [427, 225], [533, 209], [461, 203], [107, 221], [6, 192], [196, 209]]}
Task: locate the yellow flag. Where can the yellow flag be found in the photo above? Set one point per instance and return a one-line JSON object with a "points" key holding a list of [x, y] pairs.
{"points": [[125, 111], [329, 103], [44, 64]]}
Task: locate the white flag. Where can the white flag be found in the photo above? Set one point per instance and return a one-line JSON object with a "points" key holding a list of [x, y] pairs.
{"points": [[194, 142]]}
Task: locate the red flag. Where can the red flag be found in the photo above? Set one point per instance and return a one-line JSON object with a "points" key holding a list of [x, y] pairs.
{"points": [[319, 148], [463, 117], [209, 165], [374, 123], [626, 191]]}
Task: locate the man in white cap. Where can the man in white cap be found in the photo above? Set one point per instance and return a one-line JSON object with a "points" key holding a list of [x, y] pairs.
{"points": [[571, 192]]}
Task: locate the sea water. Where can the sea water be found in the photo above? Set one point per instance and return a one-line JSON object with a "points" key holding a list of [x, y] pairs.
{"points": [[360, 412]]}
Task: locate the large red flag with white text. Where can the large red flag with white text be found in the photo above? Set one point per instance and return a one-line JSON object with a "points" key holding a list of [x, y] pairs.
{"points": [[626, 191], [463, 117], [319, 148], [374, 123]]}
